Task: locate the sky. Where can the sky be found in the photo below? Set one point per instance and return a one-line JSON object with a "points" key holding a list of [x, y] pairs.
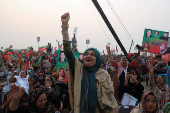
{"points": [[22, 21]]}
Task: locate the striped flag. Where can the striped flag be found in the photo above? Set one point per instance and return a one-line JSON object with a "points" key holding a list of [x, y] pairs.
{"points": [[43, 48], [116, 48], [10, 46], [55, 48], [60, 47], [108, 44]]}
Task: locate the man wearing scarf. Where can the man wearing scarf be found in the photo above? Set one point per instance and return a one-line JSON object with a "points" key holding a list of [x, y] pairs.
{"points": [[122, 69]]}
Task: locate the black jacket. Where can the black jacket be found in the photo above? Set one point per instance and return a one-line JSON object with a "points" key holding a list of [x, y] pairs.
{"points": [[134, 90]]}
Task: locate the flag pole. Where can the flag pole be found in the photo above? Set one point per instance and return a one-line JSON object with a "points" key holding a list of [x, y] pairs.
{"points": [[109, 25], [95, 2]]}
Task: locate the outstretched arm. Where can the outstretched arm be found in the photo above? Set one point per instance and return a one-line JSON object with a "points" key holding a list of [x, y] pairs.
{"points": [[16, 93], [64, 19], [66, 42], [112, 62], [157, 92], [116, 81], [108, 50], [11, 79]]}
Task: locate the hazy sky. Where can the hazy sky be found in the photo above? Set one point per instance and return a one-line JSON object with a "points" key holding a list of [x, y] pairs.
{"points": [[22, 21]]}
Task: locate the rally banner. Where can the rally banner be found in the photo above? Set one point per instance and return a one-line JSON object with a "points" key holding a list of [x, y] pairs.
{"points": [[155, 41], [62, 64]]}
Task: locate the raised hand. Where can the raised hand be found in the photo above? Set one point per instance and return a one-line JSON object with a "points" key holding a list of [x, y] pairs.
{"points": [[48, 84], [128, 76], [107, 48], [112, 68], [65, 18], [15, 73], [16, 92]]}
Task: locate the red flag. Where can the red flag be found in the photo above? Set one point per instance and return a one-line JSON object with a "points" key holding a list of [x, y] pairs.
{"points": [[29, 51], [55, 54], [38, 54], [130, 55], [10, 53], [23, 50], [26, 53], [5, 57], [27, 65]]}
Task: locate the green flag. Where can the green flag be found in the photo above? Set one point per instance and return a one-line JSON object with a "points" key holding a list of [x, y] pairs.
{"points": [[39, 61]]}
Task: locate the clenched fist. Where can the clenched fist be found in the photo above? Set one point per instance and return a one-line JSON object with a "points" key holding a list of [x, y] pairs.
{"points": [[65, 18]]}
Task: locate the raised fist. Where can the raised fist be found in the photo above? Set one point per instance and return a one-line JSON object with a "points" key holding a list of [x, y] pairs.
{"points": [[108, 48], [65, 18]]}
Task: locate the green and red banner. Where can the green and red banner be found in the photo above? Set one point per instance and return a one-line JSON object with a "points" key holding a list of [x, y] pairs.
{"points": [[8, 57], [23, 50], [155, 41], [42, 49]]}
